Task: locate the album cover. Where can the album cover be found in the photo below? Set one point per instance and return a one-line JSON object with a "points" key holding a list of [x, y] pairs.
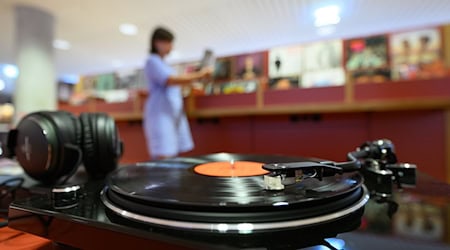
{"points": [[417, 54], [250, 66], [105, 82], [367, 59], [239, 87], [285, 67], [65, 91], [213, 88], [322, 64], [222, 69], [131, 79]]}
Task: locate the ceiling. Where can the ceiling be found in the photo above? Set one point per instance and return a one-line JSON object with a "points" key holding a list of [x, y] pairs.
{"points": [[227, 26]]}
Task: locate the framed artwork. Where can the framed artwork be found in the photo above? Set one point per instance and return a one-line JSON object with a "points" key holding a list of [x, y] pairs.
{"points": [[250, 66], [222, 69], [367, 59], [285, 65], [417, 54], [322, 64]]}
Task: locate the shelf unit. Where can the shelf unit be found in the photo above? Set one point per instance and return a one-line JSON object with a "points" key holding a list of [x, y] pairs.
{"points": [[373, 109]]}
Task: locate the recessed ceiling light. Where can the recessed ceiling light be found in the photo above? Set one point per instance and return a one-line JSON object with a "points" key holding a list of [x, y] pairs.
{"points": [[61, 44], [10, 71], [128, 29], [328, 15]]}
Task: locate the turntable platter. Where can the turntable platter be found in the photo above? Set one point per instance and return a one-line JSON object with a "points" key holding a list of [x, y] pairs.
{"points": [[175, 183], [172, 194]]}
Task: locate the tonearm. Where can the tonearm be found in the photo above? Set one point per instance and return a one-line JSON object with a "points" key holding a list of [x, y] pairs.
{"points": [[376, 160]]}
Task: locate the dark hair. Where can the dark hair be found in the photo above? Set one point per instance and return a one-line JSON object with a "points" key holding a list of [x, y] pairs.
{"points": [[160, 34]]}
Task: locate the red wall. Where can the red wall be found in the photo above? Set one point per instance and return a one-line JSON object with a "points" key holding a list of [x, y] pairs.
{"points": [[419, 137], [132, 135]]}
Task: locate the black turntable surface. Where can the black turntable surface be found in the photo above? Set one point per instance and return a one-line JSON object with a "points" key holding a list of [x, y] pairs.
{"points": [[176, 184], [168, 205]]}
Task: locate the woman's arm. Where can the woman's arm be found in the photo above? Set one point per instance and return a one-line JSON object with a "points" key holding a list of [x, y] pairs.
{"points": [[189, 77]]}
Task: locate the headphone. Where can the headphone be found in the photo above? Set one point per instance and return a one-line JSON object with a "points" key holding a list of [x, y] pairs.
{"points": [[52, 144]]}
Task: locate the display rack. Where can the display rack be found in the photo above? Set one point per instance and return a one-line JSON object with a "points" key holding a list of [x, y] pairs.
{"points": [[423, 104]]}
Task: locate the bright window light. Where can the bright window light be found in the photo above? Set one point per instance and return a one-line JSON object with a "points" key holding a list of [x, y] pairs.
{"points": [[61, 44], [128, 29], [10, 71], [327, 15]]}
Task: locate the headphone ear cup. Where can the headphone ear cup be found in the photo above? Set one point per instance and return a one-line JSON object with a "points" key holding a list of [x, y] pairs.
{"points": [[100, 143], [47, 145]]}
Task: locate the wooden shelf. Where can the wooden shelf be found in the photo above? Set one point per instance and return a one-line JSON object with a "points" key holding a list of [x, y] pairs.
{"points": [[390, 96], [339, 107]]}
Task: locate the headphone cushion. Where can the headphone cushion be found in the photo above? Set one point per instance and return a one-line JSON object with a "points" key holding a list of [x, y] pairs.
{"points": [[88, 146], [99, 143]]}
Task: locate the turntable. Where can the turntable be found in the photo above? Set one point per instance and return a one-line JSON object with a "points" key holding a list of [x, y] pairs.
{"points": [[216, 201]]}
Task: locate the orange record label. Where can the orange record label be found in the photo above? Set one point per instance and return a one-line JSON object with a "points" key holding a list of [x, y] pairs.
{"points": [[231, 169]]}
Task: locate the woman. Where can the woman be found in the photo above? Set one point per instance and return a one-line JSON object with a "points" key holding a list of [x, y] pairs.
{"points": [[165, 124]]}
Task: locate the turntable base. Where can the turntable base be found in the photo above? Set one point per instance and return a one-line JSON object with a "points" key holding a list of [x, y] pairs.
{"points": [[168, 204], [91, 225]]}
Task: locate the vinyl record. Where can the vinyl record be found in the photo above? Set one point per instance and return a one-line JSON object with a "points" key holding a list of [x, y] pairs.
{"points": [[172, 193]]}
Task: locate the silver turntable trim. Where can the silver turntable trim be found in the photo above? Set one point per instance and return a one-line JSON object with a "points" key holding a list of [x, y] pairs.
{"points": [[237, 228]]}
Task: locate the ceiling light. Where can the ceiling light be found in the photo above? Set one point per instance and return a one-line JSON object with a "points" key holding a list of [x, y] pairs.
{"points": [[10, 71], [128, 29], [61, 44], [327, 15]]}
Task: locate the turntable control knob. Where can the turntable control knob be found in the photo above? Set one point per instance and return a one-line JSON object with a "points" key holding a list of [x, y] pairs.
{"points": [[65, 197]]}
